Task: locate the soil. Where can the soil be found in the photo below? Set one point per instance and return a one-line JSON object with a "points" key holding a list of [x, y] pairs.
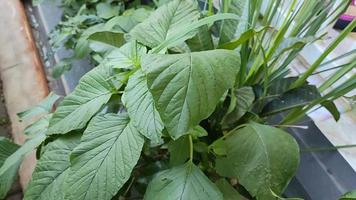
{"points": [[15, 192]]}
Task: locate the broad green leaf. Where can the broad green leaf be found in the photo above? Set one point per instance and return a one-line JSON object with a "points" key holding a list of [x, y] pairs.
{"points": [[294, 98], [126, 57], [227, 190], [202, 41], [103, 161], [187, 87], [45, 106], [76, 109], [50, 172], [6, 149], [115, 39], [165, 22], [40, 126], [228, 27], [349, 195], [268, 159], [182, 182], [280, 86], [139, 104], [178, 151], [198, 131], [241, 103], [106, 10]]}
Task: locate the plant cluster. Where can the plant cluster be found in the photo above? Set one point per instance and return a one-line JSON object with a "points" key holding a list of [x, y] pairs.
{"points": [[191, 103]]}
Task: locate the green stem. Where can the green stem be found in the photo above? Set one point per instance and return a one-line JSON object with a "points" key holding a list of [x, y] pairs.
{"points": [[313, 149], [190, 149], [210, 8]]}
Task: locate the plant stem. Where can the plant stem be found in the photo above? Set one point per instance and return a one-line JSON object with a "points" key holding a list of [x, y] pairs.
{"points": [[190, 149], [328, 148]]}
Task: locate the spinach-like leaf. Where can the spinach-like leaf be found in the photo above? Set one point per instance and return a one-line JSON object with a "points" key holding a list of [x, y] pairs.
{"points": [[261, 157], [76, 109], [187, 87], [139, 103], [103, 161], [48, 178], [182, 182], [165, 22]]}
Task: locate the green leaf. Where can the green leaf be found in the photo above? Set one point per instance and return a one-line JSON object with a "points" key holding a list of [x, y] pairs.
{"points": [[268, 159], [48, 178], [233, 44], [228, 27], [178, 151], [45, 106], [165, 22], [139, 104], [106, 10], [198, 131], [103, 161], [40, 126], [240, 104], [227, 190], [76, 109], [115, 39], [6, 149], [202, 41], [349, 195], [182, 182], [126, 57], [187, 87], [331, 107], [294, 98]]}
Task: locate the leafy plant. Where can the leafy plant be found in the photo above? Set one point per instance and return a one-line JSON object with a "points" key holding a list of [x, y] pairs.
{"points": [[183, 109]]}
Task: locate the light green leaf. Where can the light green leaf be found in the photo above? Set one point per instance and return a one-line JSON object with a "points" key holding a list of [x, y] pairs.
{"points": [[50, 172], [240, 103], [182, 182], [76, 109], [187, 87], [165, 22], [40, 126], [293, 98], [106, 10], [233, 44], [178, 151], [45, 106], [349, 195], [126, 57], [268, 159], [6, 180], [227, 190], [139, 104], [103, 161]]}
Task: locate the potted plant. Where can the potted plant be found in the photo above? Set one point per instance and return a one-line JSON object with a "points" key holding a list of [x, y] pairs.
{"points": [[182, 110]]}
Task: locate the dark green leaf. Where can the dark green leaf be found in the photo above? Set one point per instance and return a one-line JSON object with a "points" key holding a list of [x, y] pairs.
{"points": [[268, 159], [294, 98], [51, 170], [331, 107], [202, 41], [240, 104], [179, 85], [178, 151], [110, 38], [6, 180], [182, 182], [8, 170], [103, 161]]}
